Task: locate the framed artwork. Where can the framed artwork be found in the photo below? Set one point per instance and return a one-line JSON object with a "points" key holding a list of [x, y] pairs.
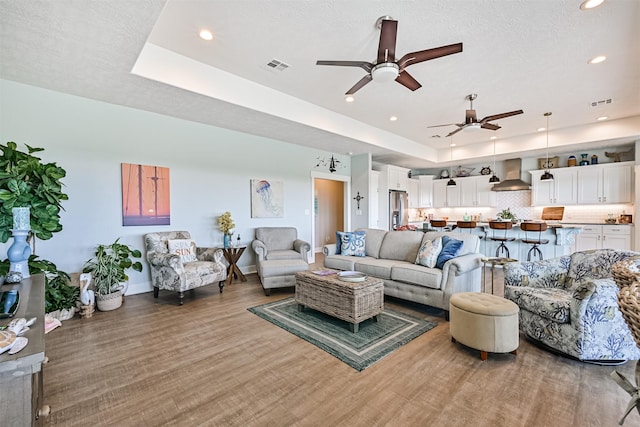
{"points": [[267, 199], [145, 195]]}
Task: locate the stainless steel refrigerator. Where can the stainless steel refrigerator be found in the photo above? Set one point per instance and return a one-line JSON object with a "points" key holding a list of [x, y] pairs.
{"points": [[398, 213]]}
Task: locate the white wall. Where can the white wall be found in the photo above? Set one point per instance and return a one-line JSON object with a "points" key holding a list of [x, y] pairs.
{"points": [[210, 172]]}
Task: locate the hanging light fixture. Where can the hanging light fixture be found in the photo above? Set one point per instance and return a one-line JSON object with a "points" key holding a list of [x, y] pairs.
{"points": [[494, 178], [547, 176], [451, 180]]}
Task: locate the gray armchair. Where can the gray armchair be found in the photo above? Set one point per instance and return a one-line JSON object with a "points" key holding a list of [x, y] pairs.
{"points": [[169, 272], [279, 255]]}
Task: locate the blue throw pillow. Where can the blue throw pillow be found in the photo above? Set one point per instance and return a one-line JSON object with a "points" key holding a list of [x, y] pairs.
{"points": [[450, 249], [351, 243]]}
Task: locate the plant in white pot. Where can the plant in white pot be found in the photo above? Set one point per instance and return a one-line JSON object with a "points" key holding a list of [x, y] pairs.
{"points": [[108, 268]]}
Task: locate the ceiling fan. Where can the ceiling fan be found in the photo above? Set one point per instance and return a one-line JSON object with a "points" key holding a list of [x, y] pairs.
{"points": [[386, 68], [471, 120]]}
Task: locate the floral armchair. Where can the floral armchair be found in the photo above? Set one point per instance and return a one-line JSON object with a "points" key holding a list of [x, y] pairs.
{"points": [[188, 268], [570, 304]]}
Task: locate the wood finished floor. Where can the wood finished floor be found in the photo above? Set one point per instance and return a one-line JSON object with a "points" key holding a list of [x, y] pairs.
{"points": [[211, 362]]}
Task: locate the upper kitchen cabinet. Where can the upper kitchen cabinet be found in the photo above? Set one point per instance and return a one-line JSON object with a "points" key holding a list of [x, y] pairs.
{"points": [[606, 183], [476, 191], [562, 190], [414, 192], [445, 196], [426, 191], [397, 178]]}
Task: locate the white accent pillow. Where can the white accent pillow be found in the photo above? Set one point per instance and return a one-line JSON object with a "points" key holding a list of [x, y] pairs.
{"points": [[428, 253], [184, 248]]}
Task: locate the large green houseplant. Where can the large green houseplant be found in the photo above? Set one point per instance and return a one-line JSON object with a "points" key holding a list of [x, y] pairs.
{"points": [[26, 181], [108, 269]]}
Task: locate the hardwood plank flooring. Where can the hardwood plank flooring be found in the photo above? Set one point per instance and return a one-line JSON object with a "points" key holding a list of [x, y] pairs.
{"points": [[211, 362]]}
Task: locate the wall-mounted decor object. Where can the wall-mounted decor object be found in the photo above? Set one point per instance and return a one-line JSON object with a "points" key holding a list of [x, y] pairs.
{"points": [[552, 162], [357, 199], [145, 195], [333, 163], [267, 199]]}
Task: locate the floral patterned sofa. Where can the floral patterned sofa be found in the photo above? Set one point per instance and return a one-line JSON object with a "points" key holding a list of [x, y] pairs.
{"points": [[570, 304]]}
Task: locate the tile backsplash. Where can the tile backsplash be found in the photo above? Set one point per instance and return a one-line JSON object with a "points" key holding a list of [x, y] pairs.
{"points": [[520, 204]]}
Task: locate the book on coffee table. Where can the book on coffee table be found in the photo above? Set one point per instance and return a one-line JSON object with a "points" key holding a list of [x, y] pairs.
{"points": [[324, 272]]}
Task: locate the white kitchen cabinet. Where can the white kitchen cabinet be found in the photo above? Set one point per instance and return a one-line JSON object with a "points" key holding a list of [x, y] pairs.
{"points": [[607, 183], [414, 192], [445, 196], [476, 191], [374, 199], [397, 177], [562, 190], [426, 191], [616, 237]]}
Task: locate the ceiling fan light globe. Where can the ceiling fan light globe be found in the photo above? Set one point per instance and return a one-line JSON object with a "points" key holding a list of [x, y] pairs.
{"points": [[472, 127], [385, 72]]}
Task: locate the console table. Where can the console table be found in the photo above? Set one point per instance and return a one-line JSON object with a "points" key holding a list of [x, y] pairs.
{"points": [[21, 396]]}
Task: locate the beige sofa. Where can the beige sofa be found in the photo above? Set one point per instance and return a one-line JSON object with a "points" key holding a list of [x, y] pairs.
{"points": [[391, 255]]}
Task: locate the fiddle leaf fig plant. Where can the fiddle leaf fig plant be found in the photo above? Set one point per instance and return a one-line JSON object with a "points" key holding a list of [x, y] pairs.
{"points": [[26, 181]]}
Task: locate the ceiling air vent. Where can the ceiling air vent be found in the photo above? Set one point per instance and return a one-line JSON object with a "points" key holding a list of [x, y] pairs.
{"points": [[601, 102], [277, 65]]}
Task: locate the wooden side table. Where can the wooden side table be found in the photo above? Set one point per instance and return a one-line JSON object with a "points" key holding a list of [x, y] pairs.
{"points": [[232, 255]]}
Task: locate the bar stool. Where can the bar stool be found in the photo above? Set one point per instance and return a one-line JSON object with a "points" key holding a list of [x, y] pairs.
{"points": [[466, 225], [438, 224], [501, 226], [534, 227]]}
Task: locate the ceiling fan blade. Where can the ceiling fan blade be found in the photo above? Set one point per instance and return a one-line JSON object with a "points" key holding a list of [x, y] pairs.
{"points": [[470, 117], [425, 55], [490, 126], [363, 81], [448, 124], [387, 44], [455, 131], [367, 66], [406, 80], [501, 116]]}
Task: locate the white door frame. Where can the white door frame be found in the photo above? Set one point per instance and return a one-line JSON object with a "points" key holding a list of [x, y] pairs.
{"points": [[347, 212]]}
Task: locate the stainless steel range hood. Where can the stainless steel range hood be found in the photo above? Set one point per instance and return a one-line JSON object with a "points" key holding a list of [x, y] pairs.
{"points": [[512, 177]]}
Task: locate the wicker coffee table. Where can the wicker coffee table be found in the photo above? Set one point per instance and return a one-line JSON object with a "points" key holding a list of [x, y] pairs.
{"points": [[352, 302]]}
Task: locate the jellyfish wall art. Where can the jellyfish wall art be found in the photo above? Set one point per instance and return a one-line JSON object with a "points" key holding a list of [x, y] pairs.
{"points": [[267, 199]]}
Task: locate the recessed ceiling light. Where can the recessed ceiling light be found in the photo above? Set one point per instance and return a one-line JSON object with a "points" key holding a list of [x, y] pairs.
{"points": [[603, 118], [541, 129], [205, 35], [590, 4], [598, 59], [494, 137], [349, 98], [393, 118]]}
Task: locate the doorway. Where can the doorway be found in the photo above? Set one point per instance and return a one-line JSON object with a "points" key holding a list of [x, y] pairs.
{"points": [[330, 209]]}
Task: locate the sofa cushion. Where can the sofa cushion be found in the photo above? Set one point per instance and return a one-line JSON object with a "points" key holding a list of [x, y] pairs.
{"points": [[283, 254], [401, 245], [417, 275], [470, 242], [352, 243], [340, 262], [373, 241], [380, 268], [450, 249], [550, 303], [184, 248], [428, 252], [277, 238]]}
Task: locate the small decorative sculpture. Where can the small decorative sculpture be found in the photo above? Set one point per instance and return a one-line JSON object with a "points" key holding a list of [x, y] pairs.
{"points": [[617, 156], [87, 296]]}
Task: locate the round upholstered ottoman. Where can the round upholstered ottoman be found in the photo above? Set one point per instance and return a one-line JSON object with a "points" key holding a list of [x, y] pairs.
{"points": [[485, 322]]}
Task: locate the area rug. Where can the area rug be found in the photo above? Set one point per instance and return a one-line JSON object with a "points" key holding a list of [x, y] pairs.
{"points": [[360, 350]]}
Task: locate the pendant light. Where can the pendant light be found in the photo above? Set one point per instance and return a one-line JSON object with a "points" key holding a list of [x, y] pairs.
{"points": [[547, 176], [494, 178], [451, 180]]}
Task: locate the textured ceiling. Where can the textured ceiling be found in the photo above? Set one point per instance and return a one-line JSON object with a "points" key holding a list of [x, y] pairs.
{"points": [[529, 55]]}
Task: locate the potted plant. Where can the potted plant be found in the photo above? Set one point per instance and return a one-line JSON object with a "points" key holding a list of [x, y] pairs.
{"points": [[507, 215], [61, 298], [108, 269], [26, 181]]}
